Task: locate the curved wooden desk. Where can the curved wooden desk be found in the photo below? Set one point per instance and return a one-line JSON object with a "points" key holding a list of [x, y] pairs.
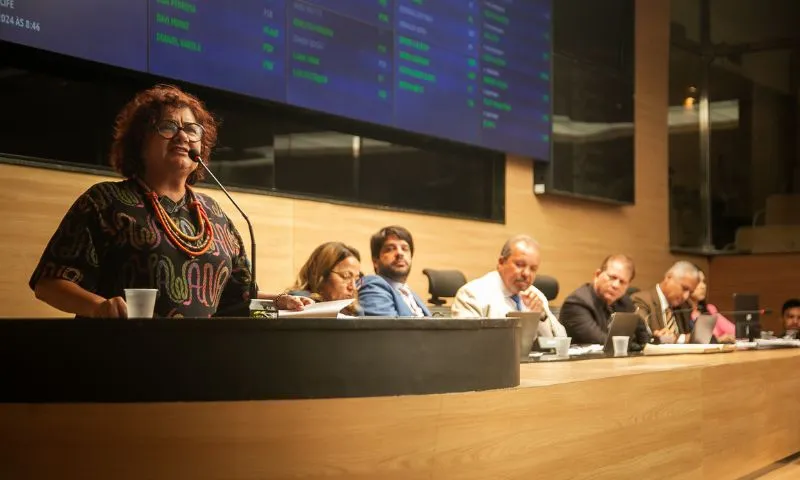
{"points": [[690, 416], [225, 359]]}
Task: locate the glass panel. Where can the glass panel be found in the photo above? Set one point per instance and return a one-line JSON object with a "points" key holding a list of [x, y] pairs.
{"points": [[753, 147], [687, 229], [244, 156], [685, 16], [739, 22], [259, 146], [319, 163], [394, 175], [753, 68]]}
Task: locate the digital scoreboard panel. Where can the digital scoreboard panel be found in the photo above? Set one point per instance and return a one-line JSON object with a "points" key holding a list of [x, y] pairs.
{"points": [[472, 71]]}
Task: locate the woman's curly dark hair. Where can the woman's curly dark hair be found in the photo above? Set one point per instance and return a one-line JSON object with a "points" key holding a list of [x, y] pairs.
{"points": [[141, 114]]}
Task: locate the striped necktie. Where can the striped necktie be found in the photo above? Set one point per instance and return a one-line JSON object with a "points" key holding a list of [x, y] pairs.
{"points": [[670, 321]]}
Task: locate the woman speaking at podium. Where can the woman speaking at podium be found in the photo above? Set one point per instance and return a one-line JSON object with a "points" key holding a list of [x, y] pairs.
{"points": [[151, 230]]}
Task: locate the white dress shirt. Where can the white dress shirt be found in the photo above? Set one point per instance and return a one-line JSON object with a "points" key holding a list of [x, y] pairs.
{"points": [[405, 292], [488, 297]]}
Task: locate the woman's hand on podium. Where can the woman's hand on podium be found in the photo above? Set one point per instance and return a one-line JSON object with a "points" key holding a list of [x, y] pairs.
{"points": [[291, 302]]}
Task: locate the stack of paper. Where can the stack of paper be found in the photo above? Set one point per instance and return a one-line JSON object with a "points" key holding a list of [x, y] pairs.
{"points": [[777, 342], [582, 350], [678, 348], [317, 310]]}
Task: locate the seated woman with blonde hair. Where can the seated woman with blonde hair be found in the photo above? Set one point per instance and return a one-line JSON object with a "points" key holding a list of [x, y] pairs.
{"points": [[332, 272]]}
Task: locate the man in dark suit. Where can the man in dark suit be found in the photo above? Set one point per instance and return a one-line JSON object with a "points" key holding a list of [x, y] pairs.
{"points": [[586, 313], [665, 307], [387, 294]]}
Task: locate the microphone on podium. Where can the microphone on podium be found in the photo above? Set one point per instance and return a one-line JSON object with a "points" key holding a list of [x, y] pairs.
{"points": [[195, 156]]}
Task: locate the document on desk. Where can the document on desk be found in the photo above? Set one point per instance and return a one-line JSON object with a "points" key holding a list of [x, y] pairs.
{"points": [[317, 310], [584, 349], [777, 342], [682, 348]]}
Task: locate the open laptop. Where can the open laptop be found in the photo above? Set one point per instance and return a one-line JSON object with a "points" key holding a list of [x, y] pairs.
{"points": [[623, 324], [528, 331], [703, 330]]}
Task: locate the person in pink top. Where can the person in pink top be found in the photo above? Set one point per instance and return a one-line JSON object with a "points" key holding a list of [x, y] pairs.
{"points": [[725, 330]]}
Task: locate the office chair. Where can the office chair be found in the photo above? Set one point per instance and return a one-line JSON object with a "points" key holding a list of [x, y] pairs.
{"points": [[547, 285], [631, 290], [443, 283]]}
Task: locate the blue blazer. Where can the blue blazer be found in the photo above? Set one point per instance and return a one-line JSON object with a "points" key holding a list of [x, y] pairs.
{"points": [[378, 298]]}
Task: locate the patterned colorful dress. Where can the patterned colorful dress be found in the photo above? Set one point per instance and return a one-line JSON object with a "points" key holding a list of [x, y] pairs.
{"points": [[111, 239]]}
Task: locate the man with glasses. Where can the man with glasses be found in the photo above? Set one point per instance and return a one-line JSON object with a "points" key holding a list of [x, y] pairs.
{"points": [[586, 312], [509, 288], [152, 230], [387, 294]]}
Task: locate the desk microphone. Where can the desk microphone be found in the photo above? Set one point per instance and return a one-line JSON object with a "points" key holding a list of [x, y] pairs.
{"points": [[750, 333], [763, 311], [747, 313], [195, 155]]}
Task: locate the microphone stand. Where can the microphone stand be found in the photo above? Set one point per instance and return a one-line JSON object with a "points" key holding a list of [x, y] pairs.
{"points": [[748, 317], [195, 155]]}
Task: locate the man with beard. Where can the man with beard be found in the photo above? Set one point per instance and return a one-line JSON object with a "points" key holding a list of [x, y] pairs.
{"points": [[791, 317], [386, 294], [586, 313], [509, 288]]}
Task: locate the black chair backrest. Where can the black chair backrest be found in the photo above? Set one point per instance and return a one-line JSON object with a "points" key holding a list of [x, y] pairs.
{"points": [[443, 283], [547, 285]]}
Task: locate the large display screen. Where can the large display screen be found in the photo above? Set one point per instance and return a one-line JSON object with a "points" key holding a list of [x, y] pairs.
{"points": [[472, 71]]}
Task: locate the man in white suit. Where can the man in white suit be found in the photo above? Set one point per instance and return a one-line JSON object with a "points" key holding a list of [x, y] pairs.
{"points": [[509, 288]]}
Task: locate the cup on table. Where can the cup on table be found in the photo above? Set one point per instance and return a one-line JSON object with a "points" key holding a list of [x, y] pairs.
{"points": [[141, 302], [562, 346], [620, 345]]}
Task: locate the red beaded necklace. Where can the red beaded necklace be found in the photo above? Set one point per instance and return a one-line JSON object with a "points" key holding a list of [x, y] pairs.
{"points": [[192, 245]]}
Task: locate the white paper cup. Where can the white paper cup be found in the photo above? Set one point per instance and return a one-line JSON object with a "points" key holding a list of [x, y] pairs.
{"points": [[562, 346], [141, 302], [620, 345]]}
